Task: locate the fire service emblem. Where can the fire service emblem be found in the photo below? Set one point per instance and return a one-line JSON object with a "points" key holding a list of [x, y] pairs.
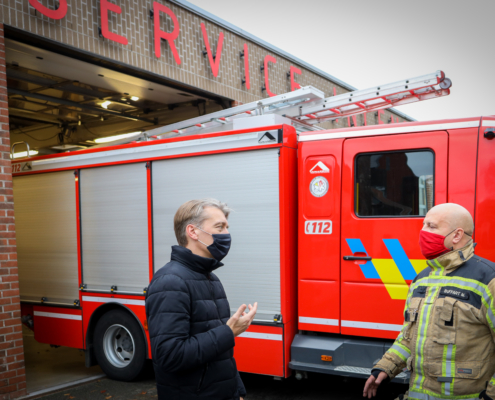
{"points": [[318, 186]]}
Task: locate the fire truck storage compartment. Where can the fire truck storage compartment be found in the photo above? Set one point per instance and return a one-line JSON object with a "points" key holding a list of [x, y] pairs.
{"points": [[46, 230], [248, 182], [114, 225]]}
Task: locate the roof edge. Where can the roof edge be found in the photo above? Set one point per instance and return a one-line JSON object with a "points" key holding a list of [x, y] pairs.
{"points": [[241, 32]]}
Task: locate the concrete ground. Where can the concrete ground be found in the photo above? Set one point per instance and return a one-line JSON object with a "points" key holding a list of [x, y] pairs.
{"points": [[47, 366], [316, 387]]}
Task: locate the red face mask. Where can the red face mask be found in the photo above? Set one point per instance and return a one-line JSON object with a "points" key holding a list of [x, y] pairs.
{"points": [[432, 244]]}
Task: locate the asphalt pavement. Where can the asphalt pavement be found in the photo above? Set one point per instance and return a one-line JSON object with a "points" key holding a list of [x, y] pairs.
{"points": [[315, 387]]}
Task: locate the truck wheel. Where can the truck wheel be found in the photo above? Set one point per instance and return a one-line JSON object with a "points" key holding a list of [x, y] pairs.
{"points": [[119, 346]]}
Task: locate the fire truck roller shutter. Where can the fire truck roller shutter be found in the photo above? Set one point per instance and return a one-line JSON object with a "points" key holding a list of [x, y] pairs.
{"points": [[249, 183], [114, 225], [46, 226]]}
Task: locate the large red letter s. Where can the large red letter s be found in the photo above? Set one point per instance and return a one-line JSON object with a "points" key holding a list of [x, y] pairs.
{"points": [[59, 13], [168, 36], [106, 6]]}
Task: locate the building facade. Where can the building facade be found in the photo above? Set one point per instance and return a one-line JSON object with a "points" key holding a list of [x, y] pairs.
{"points": [[72, 72]]}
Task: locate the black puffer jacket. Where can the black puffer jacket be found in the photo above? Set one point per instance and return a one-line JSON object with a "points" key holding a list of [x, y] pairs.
{"points": [[191, 345]]}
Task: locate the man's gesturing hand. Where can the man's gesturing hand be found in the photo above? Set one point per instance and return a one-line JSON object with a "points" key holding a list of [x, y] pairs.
{"points": [[372, 384], [240, 321]]}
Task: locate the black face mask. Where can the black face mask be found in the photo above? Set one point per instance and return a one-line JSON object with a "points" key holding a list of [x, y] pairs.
{"points": [[220, 246]]}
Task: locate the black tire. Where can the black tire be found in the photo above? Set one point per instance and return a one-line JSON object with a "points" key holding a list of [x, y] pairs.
{"points": [[120, 335]]}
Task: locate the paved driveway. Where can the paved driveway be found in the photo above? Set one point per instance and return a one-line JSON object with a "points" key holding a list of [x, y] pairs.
{"points": [[316, 387]]}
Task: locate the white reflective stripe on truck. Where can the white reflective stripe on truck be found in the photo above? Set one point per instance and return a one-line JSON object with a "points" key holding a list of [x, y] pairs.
{"points": [[57, 315], [113, 300], [390, 131], [319, 321], [258, 335], [372, 325]]}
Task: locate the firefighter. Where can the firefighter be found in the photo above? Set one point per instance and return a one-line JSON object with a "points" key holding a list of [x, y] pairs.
{"points": [[447, 340], [191, 331]]}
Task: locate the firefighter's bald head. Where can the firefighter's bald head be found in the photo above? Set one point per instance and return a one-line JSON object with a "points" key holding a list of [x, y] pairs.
{"points": [[450, 218]]}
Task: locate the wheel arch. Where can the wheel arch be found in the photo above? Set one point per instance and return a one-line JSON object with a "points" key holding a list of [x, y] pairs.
{"points": [[93, 320]]}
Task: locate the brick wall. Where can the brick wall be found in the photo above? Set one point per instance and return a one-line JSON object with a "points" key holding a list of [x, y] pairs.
{"points": [[12, 372], [80, 29]]}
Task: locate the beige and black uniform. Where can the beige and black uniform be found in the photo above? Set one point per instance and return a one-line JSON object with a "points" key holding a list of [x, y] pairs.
{"points": [[448, 337]]}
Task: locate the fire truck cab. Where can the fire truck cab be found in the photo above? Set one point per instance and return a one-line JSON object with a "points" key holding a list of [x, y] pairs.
{"points": [[363, 193]]}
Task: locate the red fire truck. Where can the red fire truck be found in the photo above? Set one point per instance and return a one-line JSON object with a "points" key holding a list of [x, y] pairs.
{"points": [[325, 225]]}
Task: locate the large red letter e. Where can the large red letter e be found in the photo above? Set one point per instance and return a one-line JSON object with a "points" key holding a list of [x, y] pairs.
{"points": [[59, 13], [168, 36]]}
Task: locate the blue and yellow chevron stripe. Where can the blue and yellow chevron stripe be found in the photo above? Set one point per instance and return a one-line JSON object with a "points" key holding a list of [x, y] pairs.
{"points": [[393, 272]]}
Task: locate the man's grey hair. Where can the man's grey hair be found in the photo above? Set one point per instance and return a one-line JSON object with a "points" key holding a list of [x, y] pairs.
{"points": [[192, 212]]}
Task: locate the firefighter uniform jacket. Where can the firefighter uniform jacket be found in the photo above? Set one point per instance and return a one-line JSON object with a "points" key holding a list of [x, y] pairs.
{"points": [[447, 341]]}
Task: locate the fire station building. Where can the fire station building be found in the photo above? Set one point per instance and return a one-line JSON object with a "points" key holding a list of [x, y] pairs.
{"points": [[75, 74]]}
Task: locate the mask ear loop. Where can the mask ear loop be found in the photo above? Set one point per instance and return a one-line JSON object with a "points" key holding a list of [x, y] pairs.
{"points": [[204, 232]]}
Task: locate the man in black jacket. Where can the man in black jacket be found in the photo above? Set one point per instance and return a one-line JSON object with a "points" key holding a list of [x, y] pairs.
{"points": [[191, 331]]}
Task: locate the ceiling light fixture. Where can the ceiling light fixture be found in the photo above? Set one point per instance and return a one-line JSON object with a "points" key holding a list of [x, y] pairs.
{"points": [[106, 104], [24, 154], [134, 98], [116, 137]]}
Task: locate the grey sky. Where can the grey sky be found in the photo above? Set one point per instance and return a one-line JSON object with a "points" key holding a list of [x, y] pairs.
{"points": [[372, 42]]}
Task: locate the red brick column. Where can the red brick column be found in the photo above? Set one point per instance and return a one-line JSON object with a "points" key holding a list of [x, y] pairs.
{"points": [[12, 372]]}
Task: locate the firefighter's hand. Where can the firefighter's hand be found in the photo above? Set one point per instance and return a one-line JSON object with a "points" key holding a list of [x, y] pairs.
{"points": [[241, 320], [372, 384]]}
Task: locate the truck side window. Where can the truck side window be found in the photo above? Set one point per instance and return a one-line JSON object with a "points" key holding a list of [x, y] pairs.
{"points": [[395, 183]]}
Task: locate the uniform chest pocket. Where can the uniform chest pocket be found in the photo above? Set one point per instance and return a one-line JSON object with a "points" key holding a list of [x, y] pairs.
{"points": [[411, 317], [444, 321]]}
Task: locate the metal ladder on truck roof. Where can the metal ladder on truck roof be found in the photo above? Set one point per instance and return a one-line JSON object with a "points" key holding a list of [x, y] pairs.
{"points": [[307, 106]]}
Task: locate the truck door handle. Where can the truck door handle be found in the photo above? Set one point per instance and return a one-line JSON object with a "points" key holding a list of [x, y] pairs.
{"points": [[354, 258]]}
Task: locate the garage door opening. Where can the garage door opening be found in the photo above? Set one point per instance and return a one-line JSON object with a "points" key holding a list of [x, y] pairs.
{"points": [[58, 103], [62, 104]]}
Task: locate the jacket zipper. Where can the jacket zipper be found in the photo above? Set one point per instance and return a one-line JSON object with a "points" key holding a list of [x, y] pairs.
{"points": [[210, 286]]}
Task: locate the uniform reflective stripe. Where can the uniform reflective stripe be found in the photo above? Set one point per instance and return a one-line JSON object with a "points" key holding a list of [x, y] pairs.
{"points": [[113, 300], [448, 368], [371, 325], [402, 351], [319, 321], [422, 330], [424, 395], [492, 381], [257, 335], [57, 315]]}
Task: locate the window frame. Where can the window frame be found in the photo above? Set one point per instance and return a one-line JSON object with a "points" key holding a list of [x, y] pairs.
{"points": [[430, 150]]}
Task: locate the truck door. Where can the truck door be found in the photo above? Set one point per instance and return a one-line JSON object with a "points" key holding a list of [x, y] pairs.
{"points": [[388, 184]]}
